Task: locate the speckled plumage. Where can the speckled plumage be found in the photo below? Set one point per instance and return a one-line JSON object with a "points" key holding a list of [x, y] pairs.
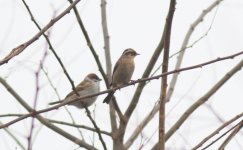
{"points": [[90, 85]]}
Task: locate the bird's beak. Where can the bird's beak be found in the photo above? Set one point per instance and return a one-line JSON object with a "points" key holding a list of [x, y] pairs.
{"points": [[137, 54], [99, 79]]}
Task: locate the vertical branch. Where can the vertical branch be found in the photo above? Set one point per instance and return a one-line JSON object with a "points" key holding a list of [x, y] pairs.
{"points": [[164, 78], [37, 77], [106, 38], [141, 85], [201, 101], [175, 75]]}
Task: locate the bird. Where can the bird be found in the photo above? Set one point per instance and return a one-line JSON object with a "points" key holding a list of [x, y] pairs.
{"points": [[122, 72], [90, 85]]}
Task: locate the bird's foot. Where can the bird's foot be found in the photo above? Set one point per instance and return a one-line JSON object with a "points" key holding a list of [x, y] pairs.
{"points": [[132, 82]]}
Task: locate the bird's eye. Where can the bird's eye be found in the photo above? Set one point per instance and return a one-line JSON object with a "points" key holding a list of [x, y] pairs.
{"points": [[133, 54]]}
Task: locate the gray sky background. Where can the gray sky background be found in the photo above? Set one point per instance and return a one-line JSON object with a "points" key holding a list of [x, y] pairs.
{"points": [[134, 24]]}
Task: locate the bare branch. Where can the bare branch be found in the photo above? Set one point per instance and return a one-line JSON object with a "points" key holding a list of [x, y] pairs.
{"points": [[89, 44], [55, 90], [11, 115], [165, 65], [79, 126], [13, 137], [43, 120], [106, 38], [217, 131], [201, 101], [40, 67], [231, 136], [16, 51], [116, 88], [221, 136], [51, 47], [174, 77], [185, 43], [140, 127]]}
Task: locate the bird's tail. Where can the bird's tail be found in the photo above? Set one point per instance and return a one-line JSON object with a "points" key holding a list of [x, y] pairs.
{"points": [[56, 102], [108, 97]]}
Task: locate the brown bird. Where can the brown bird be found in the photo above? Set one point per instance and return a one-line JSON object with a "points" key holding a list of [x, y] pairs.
{"points": [[122, 72], [90, 85]]}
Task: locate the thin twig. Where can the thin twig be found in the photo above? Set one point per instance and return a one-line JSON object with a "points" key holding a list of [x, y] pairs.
{"points": [[116, 88], [185, 43], [192, 27], [140, 87], [201, 101], [66, 73], [43, 120], [89, 44], [141, 126], [174, 77], [11, 115], [50, 45], [231, 136], [16, 51], [217, 131], [79, 126], [55, 90], [13, 137], [214, 141], [96, 128]]}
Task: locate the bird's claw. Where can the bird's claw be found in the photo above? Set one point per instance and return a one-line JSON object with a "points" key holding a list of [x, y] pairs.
{"points": [[132, 82]]}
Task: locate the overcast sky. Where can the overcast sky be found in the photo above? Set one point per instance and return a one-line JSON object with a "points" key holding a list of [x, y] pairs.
{"points": [[134, 24]]}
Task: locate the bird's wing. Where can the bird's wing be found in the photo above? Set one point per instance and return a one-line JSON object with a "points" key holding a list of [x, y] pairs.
{"points": [[116, 66], [83, 85]]}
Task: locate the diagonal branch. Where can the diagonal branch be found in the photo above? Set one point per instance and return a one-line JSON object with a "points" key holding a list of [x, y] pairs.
{"points": [[201, 101], [116, 88], [141, 126], [19, 49], [89, 44], [13, 137], [231, 136], [185, 43], [43, 120], [221, 136], [217, 131], [50, 46], [174, 77], [79, 126], [58, 59]]}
